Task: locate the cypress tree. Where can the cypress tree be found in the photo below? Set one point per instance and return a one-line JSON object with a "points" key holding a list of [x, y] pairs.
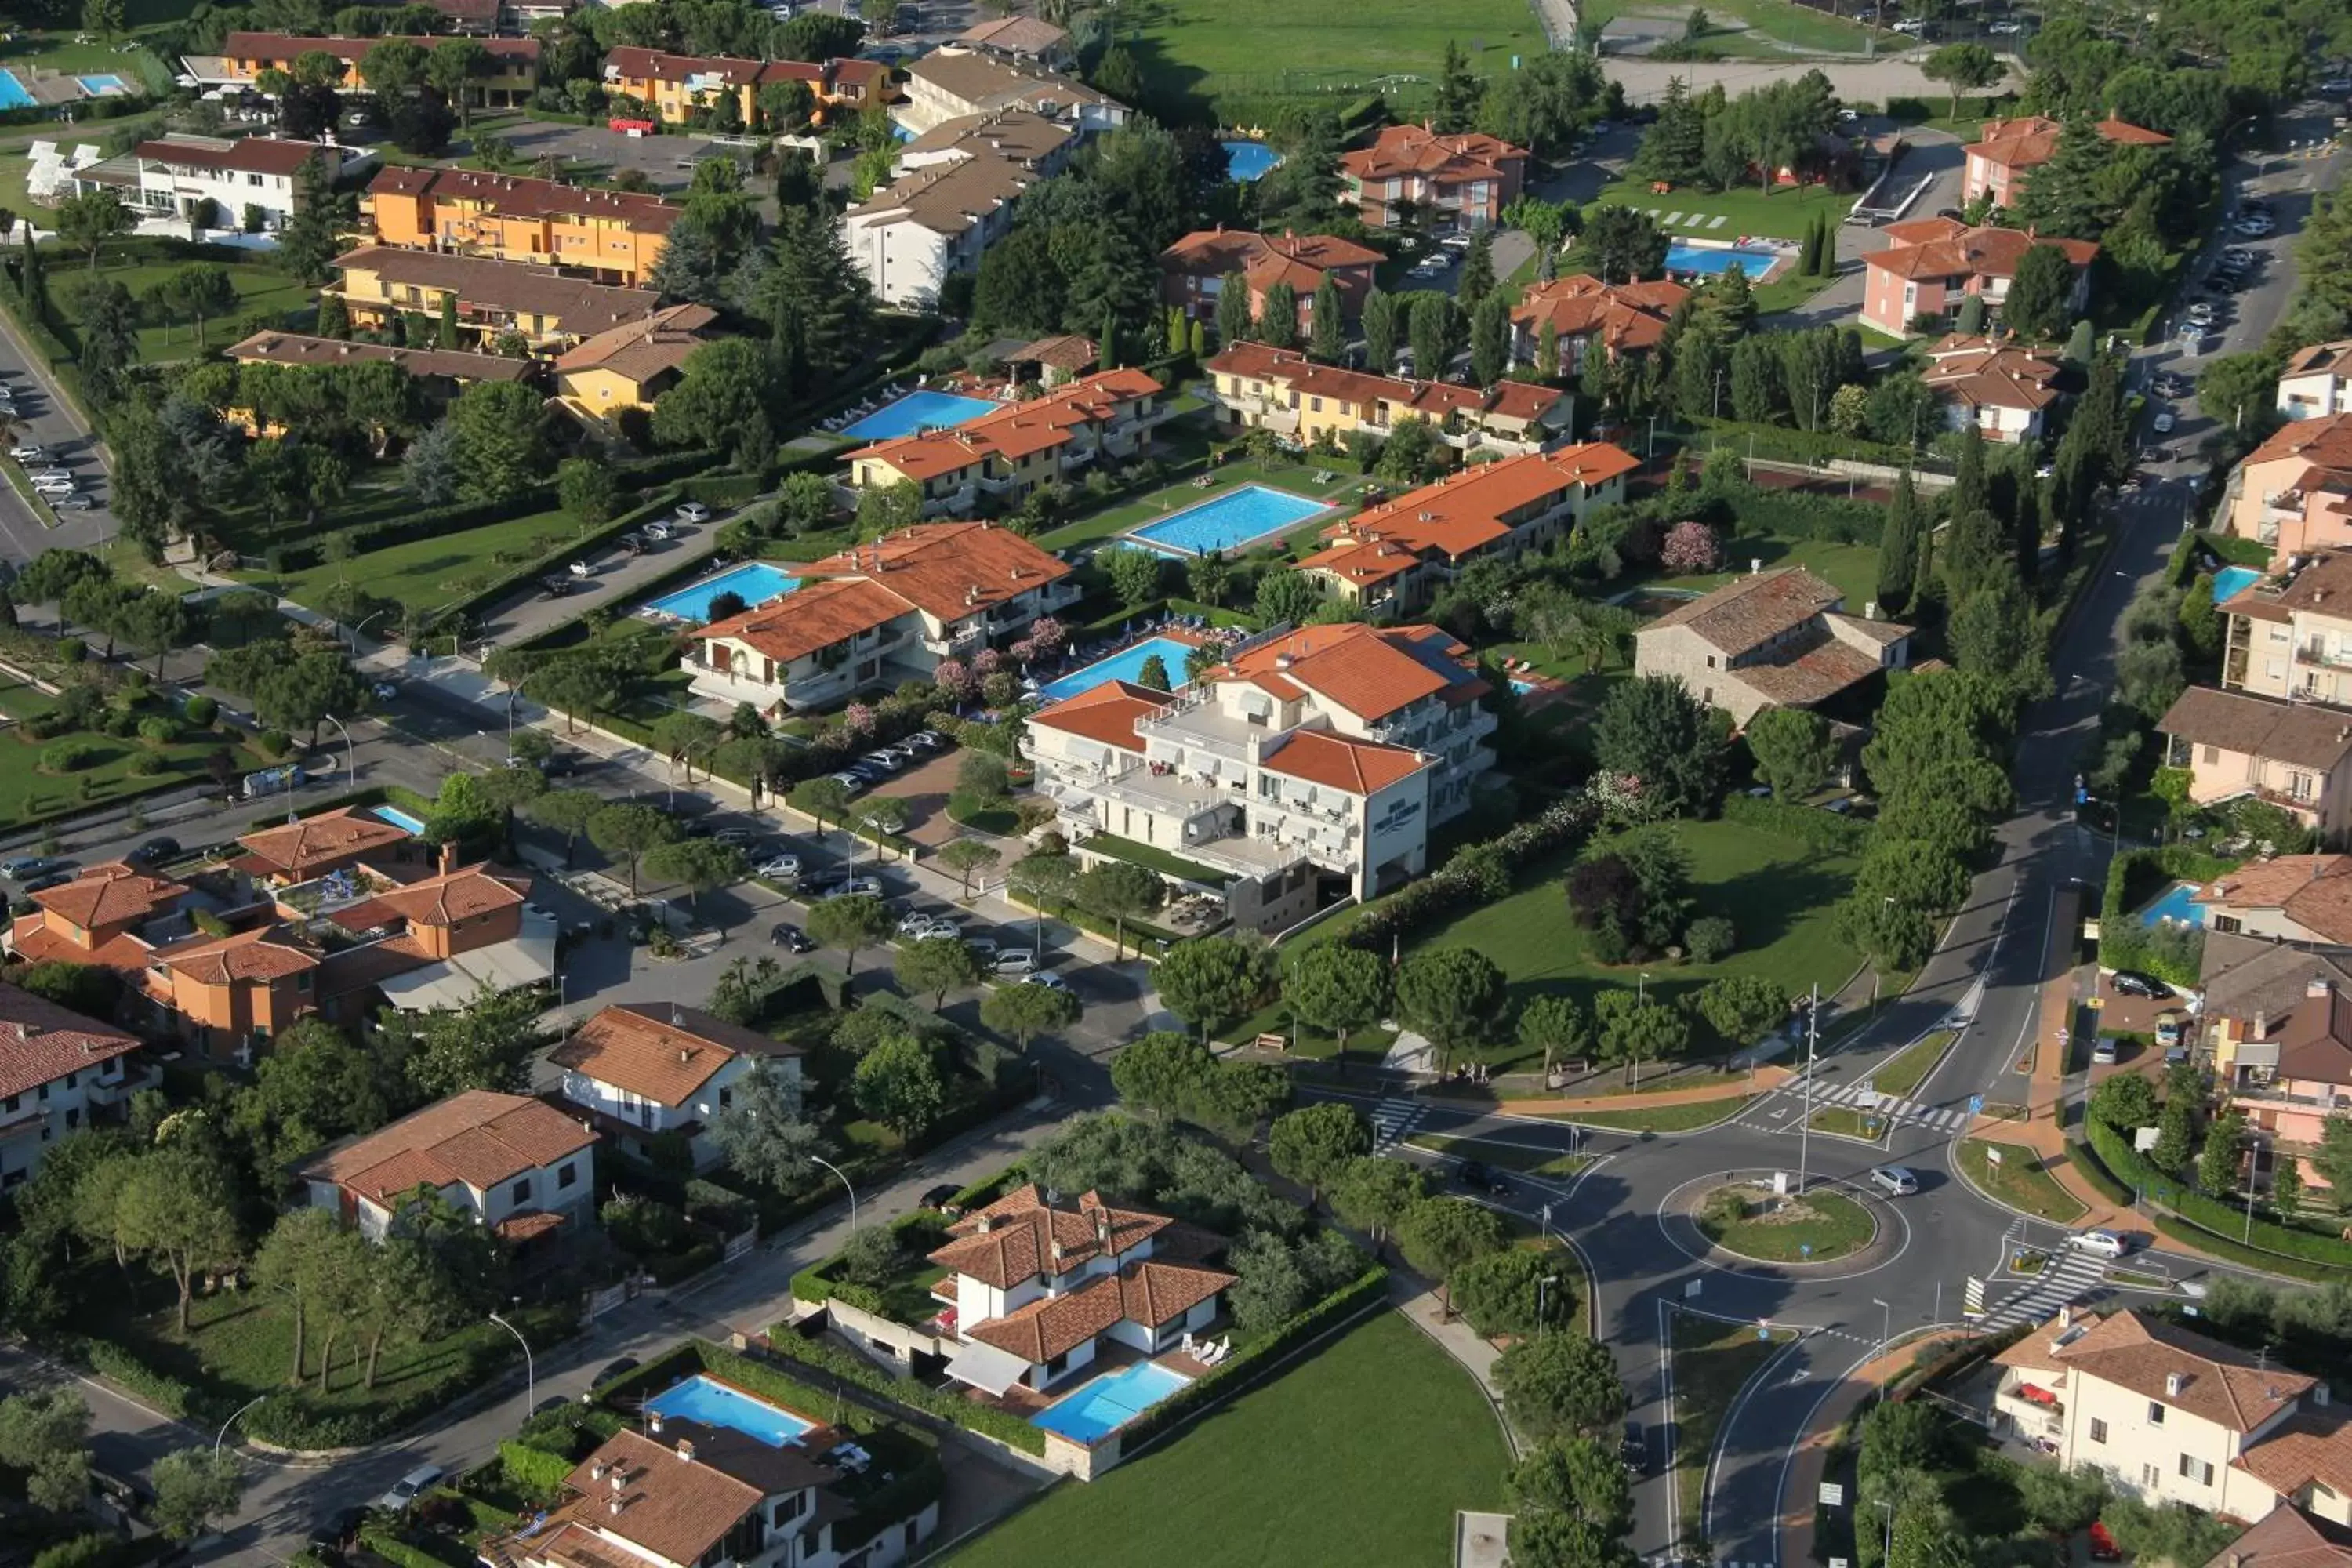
{"points": [[1327, 338], [1233, 322], [1898, 548], [2029, 529], [1971, 490], [1109, 354], [1922, 578]]}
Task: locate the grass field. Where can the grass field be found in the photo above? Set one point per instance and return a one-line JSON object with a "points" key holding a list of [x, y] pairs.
{"points": [[1741, 30], [1384, 1485], [1237, 53], [1829, 1223], [2019, 1180], [28, 793], [428, 574], [1777, 892], [1712, 1361], [1745, 209], [258, 287], [1853, 569], [1688, 1117], [1505, 1156], [1840, 1123]]}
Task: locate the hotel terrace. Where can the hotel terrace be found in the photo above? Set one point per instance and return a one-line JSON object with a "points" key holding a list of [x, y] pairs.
{"points": [[1282, 390], [1395, 556], [1007, 454]]}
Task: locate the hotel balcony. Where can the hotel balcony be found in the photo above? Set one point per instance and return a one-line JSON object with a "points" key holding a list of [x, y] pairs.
{"points": [[2033, 1410], [1196, 723], [1256, 858], [118, 1090]]}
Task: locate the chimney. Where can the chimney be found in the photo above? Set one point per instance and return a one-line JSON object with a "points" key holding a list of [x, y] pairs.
{"points": [[1102, 1228], [2174, 1382], [1282, 661], [616, 1477], [596, 1471], [982, 1229], [2320, 1396], [1057, 1252], [615, 1506], [448, 858], [2317, 987], [685, 1054], [2261, 1026], [653, 1424], [686, 1450], [1870, 610]]}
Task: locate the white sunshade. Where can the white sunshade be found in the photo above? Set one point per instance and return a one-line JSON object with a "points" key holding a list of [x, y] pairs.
{"points": [[986, 1368]]}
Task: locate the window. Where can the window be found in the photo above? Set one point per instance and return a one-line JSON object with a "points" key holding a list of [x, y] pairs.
{"points": [[2149, 1476], [2155, 1413], [522, 1190], [2196, 1469], [2213, 756], [2098, 1430], [1710, 661], [72, 1078], [566, 1174]]}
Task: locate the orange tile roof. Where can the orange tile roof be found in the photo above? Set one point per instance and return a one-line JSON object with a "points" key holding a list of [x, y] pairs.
{"points": [[1370, 673], [673, 1508], [40, 1042], [270, 952], [2313, 890], [2328, 358], [2288, 1537], [1148, 1292], [1627, 317], [294, 46], [640, 350], [2031, 141], [2325, 443], [1471, 506], [1514, 401], [1984, 373], [1946, 248], [1403, 150], [517, 195], [110, 895], [2218, 1384], [1214, 252], [298, 848], [948, 570], [30, 939], [465, 894], [817, 616], [1742, 616], [1014, 430], [664, 1053], [1343, 762], [479, 1137], [1106, 713], [1017, 1237]]}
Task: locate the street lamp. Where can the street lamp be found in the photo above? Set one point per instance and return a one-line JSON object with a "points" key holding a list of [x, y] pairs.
{"points": [[350, 754], [820, 1159], [1642, 988], [1885, 1332], [240, 1410], [529, 1371], [364, 625]]}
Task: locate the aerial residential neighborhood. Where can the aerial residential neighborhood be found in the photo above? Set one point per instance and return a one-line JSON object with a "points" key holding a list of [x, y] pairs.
{"points": [[1511, 786]]}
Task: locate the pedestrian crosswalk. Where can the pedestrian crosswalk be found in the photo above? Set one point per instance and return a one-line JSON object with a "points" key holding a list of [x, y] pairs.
{"points": [[1394, 1122], [1672, 1562], [1783, 1111], [2068, 1275]]}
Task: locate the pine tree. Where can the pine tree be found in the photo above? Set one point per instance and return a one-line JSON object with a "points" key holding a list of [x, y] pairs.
{"points": [[1898, 548]]}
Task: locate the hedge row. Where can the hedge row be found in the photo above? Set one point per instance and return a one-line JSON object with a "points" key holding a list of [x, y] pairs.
{"points": [[501, 586], [2123, 940], [2103, 1182], [533, 1469], [1522, 846], [425, 522], [2264, 1237], [1258, 1358], [2231, 1250], [379, 1540], [1801, 515], [851, 1368], [166, 1393], [815, 1284], [1822, 830]]}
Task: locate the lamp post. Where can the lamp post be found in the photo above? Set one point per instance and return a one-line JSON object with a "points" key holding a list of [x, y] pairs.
{"points": [[362, 627], [350, 753], [1885, 1332], [240, 1410], [1888, 1510], [1805, 1133], [529, 1371], [820, 1159]]}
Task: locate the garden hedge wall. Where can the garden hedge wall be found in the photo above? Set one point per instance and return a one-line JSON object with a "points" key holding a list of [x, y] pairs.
{"points": [[2132, 876], [849, 1367], [1811, 825], [2267, 1238]]}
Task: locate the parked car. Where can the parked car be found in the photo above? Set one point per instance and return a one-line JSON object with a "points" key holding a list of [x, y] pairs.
{"points": [[71, 503], [409, 1487], [738, 837], [656, 531], [1011, 962], [54, 879], [927, 740], [2101, 1545], [870, 887], [886, 761], [26, 866], [941, 1198], [339, 1529], [2168, 1026], [916, 925], [37, 475], [29, 454], [2132, 983], [1895, 1181], [2106, 1051], [788, 866], [1050, 981], [790, 937], [2006, 29], [983, 948], [693, 511], [155, 851], [1475, 1176], [2100, 1243], [1634, 1450], [2162, 423], [853, 782]]}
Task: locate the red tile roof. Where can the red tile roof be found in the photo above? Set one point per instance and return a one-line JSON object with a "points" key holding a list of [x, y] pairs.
{"points": [[2031, 141], [2288, 1537], [110, 895], [270, 952], [1416, 149], [664, 1053], [1264, 259], [628, 60], [467, 893], [40, 1042], [1511, 401], [817, 616], [1370, 673], [300, 848], [1628, 318], [1020, 1236], [1744, 615], [1150, 1292], [948, 570], [479, 1137], [1107, 713], [2219, 1383], [1343, 762], [1946, 248], [1016, 430], [1474, 507], [1983, 373], [2323, 442]]}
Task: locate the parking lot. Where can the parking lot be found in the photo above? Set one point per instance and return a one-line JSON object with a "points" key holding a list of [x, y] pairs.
{"points": [[666, 161]]}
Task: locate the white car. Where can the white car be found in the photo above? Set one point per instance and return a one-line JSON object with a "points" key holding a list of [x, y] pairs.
{"points": [[2101, 1243], [30, 454], [2336, 84], [2201, 313], [693, 511], [2006, 29], [51, 489], [37, 475], [916, 925], [1049, 980], [784, 866], [2163, 423], [657, 531], [409, 1487], [1018, 961], [2255, 228]]}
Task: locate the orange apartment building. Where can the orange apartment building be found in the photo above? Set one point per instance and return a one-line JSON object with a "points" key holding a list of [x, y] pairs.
{"points": [[1469, 178], [1584, 314], [616, 237], [332, 841], [2009, 150], [1005, 454], [674, 85], [2294, 492], [1193, 270], [514, 62], [1930, 265]]}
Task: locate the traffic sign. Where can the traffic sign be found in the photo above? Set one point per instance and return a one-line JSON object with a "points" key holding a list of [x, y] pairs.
{"points": [[2063, 1036], [1832, 1494], [2095, 1003], [1690, 1289], [1805, 1248], [1975, 1105]]}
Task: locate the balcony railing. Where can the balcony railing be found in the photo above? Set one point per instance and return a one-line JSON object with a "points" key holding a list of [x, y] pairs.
{"points": [[2316, 652]]}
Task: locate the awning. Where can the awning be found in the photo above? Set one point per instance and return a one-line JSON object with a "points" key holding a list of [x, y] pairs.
{"points": [[986, 1368], [455, 982]]}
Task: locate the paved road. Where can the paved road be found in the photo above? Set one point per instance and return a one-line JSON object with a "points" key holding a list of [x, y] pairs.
{"points": [[1858, 81]]}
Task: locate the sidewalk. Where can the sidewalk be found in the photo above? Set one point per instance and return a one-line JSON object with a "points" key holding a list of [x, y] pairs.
{"points": [[1761, 1080], [1810, 1459]]}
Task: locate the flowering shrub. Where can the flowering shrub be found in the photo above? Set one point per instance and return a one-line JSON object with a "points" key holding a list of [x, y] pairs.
{"points": [[987, 662], [857, 719], [1691, 546], [955, 679], [1046, 634]]}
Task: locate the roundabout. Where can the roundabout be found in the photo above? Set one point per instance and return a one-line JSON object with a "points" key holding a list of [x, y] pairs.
{"points": [[1739, 1222]]}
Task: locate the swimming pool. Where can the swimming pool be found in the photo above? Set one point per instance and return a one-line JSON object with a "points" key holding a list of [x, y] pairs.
{"points": [[918, 411], [1108, 1403], [1124, 665], [755, 583], [12, 94], [2173, 908], [1241, 516], [2231, 580], [1249, 161], [399, 818], [1521, 688], [100, 85], [714, 1403], [1753, 259]]}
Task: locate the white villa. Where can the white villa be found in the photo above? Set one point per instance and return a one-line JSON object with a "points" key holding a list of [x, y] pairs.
{"points": [[642, 1071]]}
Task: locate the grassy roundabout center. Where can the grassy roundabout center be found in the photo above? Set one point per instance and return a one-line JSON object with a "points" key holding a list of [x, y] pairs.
{"points": [[1747, 1219]]}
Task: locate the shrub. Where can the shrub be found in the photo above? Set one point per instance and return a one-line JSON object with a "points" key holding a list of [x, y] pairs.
{"points": [[533, 1470], [73, 651], [1710, 938], [147, 764], [159, 730], [202, 712], [70, 756], [274, 743]]}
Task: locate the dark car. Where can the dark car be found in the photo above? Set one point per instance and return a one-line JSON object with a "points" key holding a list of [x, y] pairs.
{"points": [[339, 1528], [790, 937], [621, 1368], [1480, 1179], [938, 1197], [2132, 983], [155, 852], [54, 879], [1633, 1450], [555, 588]]}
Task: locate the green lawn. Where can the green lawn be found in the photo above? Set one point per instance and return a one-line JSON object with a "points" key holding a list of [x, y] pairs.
{"points": [[1239, 53], [1745, 209], [427, 573], [2019, 1180], [1297, 479], [1902, 1073], [1777, 892], [1712, 1361], [1844, 1123], [1829, 1223], [259, 287], [1745, 29], [1359, 1455], [30, 792], [1534, 1161], [1851, 569], [1688, 1117]]}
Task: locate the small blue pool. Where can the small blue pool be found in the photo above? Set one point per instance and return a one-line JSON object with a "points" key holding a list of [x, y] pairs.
{"points": [[12, 94], [715, 1404], [2173, 908], [1521, 688], [1753, 259], [755, 583], [1109, 1402], [918, 411], [399, 818], [1249, 161], [100, 85], [1240, 517], [1124, 665], [2231, 580]]}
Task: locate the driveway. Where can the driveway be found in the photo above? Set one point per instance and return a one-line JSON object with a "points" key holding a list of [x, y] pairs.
{"points": [[666, 161]]}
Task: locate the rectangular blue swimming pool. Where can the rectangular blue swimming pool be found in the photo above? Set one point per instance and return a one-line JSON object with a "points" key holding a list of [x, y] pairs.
{"points": [[100, 85], [1239, 518], [1124, 665], [2231, 580], [715, 1404], [1249, 160], [755, 583], [12, 94], [399, 818], [918, 411], [1109, 1402], [2173, 908], [1753, 259]]}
